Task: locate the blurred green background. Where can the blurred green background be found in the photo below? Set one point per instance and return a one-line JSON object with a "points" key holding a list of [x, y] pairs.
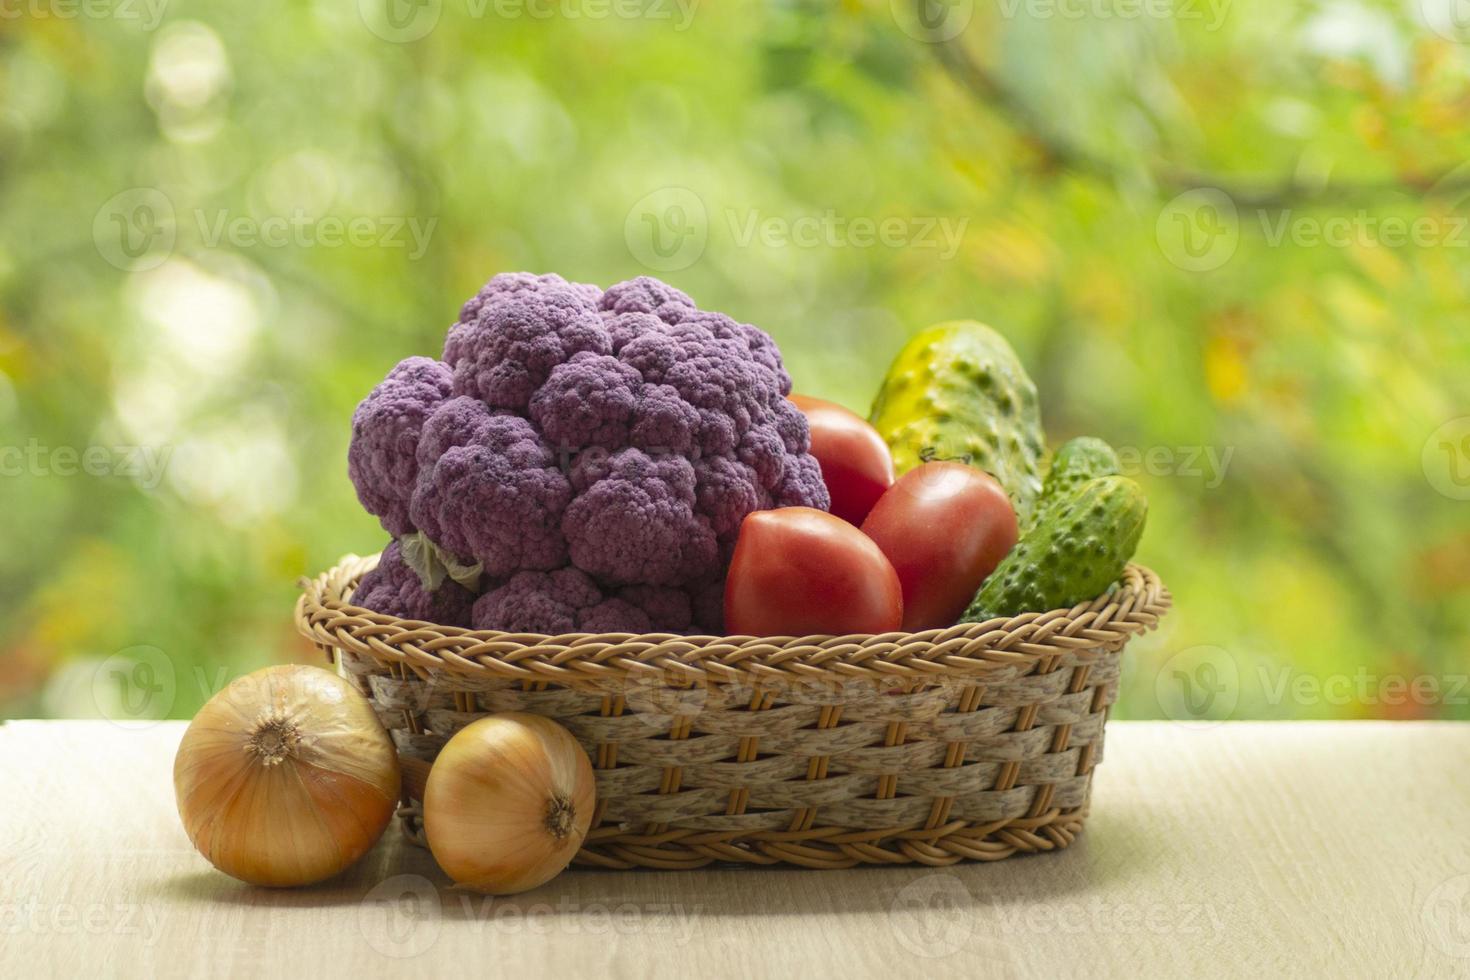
{"points": [[1229, 237]]}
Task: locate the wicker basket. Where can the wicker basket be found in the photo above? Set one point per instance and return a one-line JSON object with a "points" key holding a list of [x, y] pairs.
{"points": [[974, 742]]}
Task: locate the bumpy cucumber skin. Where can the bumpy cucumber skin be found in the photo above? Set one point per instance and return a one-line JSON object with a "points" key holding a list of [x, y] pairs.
{"points": [[1078, 461], [958, 391], [1078, 547]]}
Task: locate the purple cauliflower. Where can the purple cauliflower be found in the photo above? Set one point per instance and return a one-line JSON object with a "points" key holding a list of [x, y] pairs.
{"points": [[382, 460], [568, 600], [591, 453], [489, 489], [635, 521], [394, 589]]}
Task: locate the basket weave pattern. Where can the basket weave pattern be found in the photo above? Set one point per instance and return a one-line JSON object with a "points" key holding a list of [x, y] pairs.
{"points": [[973, 742]]}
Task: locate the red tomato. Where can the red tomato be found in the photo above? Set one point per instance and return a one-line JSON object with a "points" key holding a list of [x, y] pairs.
{"points": [[856, 464], [944, 526], [798, 571]]}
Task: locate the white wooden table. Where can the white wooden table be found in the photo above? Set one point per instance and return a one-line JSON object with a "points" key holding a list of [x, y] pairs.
{"points": [[1242, 849]]}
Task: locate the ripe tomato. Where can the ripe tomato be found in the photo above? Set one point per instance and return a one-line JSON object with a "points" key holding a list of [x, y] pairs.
{"points": [[798, 571], [856, 464], [944, 526]]}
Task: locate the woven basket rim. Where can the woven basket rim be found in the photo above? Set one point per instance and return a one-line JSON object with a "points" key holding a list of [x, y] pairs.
{"points": [[323, 615]]}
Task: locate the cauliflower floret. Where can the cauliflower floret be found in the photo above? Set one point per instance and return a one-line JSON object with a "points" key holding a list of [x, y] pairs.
{"points": [[646, 294], [393, 589], [568, 600], [509, 349], [668, 610], [563, 601], [489, 489], [633, 521], [381, 460], [726, 490], [802, 486], [762, 348], [587, 401], [510, 283]]}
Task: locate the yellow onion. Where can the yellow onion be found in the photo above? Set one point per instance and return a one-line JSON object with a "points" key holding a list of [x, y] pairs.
{"points": [[286, 777], [508, 802]]}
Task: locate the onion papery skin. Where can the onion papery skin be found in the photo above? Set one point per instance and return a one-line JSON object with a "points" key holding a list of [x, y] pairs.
{"points": [[494, 794], [286, 777]]}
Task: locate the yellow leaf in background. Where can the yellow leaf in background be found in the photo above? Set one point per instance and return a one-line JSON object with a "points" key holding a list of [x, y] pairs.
{"points": [[1371, 127], [1011, 253], [14, 352], [81, 598], [1101, 293], [1292, 308], [1357, 311], [1379, 263], [1441, 117], [975, 169], [1299, 605], [1225, 369], [283, 555]]}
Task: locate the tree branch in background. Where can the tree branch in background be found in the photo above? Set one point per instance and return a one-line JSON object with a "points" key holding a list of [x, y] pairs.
{"points": [[1062, 152]]}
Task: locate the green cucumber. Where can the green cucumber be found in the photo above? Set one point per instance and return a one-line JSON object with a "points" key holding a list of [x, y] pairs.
{"points": [[1078, 547]]}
